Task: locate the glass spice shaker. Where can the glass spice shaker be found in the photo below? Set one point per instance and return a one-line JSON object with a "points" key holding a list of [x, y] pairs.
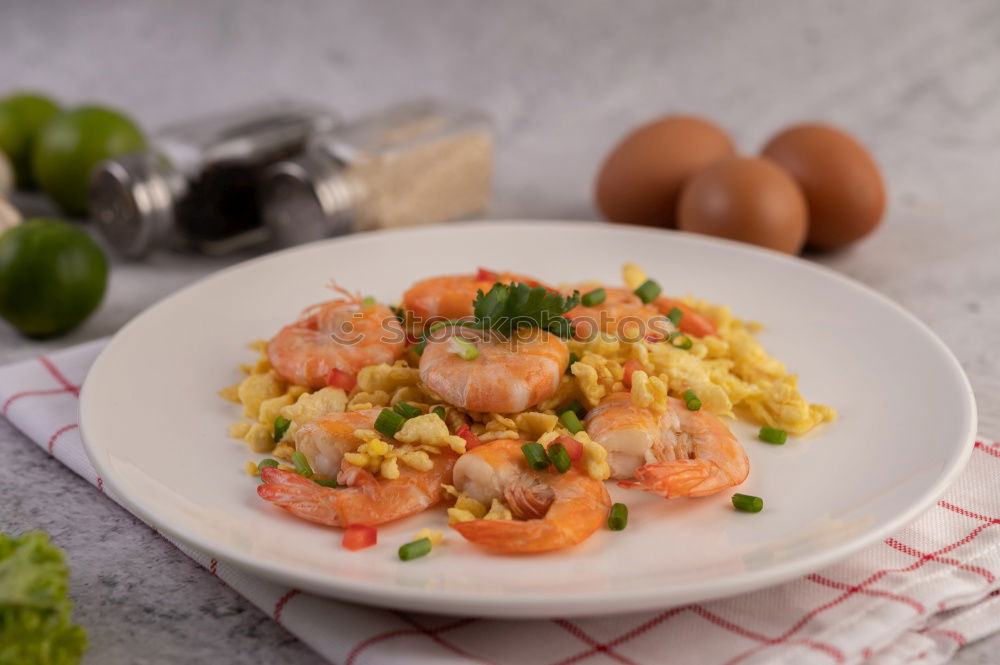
{"points": [[411, 164], [199, 186]]}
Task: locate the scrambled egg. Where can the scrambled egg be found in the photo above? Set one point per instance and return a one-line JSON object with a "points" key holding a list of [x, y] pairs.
{"points": [[649, 391], [387, 378], [309, 406], [429, 430], [421, 437], [730, 372], [595, 457], [633, 276], [498, 511], [432, 535], [265, 397], [465, 509]]}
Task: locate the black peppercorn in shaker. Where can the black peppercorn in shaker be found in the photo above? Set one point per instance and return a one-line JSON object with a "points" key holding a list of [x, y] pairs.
{"points": [[200, 186]]}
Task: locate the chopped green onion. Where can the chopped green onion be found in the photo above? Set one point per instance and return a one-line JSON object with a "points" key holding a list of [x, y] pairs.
{"points": [[691, 400], [747, 503], [575, 407], [455, 322], [326, 482], [675, 316], [438, 411], [419, 347], [684, 343], [389, 422], [441, 324], [301, 464], [773, 435], [573, 358], [618, 517], [560, 458], [406, 410], [535, 454], [570, 422], [368, 301], [281, 424], [465, 349], [267, 462], [415, 550], [648, 291], [595, 297]]}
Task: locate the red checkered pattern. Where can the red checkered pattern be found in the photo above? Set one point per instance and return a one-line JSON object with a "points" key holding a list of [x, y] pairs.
{"points": [[610, 648], [940, 575]]}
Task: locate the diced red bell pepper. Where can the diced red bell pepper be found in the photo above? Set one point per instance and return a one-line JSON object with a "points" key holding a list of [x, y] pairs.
{"points": [[471, 440], [338, 378], [573, 447], [630, 366], [358, 537], [485, 275]]}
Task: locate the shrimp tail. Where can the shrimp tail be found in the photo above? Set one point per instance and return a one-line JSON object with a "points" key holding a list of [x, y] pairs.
{"points": [[300, 496], [680, 478]]}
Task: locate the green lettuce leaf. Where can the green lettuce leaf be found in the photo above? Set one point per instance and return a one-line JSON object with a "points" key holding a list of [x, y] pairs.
{"points": [[35, 610]]}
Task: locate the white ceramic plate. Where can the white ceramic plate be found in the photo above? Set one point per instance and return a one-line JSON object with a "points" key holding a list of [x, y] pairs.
{"points": [[156, 430]]}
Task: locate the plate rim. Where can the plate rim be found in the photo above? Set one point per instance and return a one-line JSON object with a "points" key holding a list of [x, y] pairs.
{"points": [[528, 605]]}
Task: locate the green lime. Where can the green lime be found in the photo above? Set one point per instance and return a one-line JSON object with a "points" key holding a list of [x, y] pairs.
{"points": [[22, 116], [72, 144], [52, 276]]}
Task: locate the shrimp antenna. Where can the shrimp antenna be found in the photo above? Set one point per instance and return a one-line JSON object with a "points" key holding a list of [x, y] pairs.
{"points": [[337, 288]]}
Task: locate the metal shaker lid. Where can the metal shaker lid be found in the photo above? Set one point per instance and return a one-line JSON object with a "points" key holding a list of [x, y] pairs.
{"points": [[306, 198], [131, 201]]}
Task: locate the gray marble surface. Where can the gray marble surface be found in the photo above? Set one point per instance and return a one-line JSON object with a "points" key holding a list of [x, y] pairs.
{"points": [[915, 80]]}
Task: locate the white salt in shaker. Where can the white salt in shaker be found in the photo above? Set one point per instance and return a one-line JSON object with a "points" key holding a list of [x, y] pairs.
{"points": [[411, 164]]}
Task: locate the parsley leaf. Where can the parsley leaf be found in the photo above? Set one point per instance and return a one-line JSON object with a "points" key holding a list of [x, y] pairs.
{"points": [[507, 307]]}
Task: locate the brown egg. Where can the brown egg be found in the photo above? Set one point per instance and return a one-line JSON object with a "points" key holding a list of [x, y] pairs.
{"points": [[747, 199], [842, 184], [641, 179]]}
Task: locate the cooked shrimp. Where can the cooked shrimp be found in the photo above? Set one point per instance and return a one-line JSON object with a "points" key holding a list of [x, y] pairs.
{"points": [[451, 296], [626, 431], [554, 510], [343, 335], [366, 499], [506, 376], [692, 322], [676, 453], [325, 440], [622, 314]]}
